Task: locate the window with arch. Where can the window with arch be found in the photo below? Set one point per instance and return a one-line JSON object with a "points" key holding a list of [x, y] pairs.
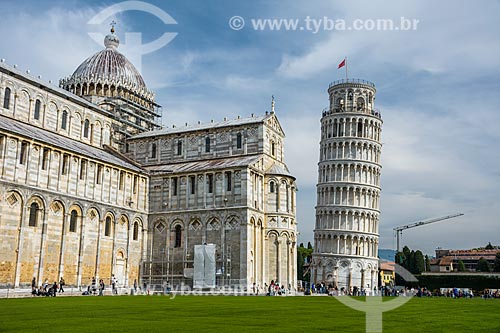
{"points": [[153, 150], [273, 148], [238, 141], [207, 144], [107, 226], [33, 219], [36, 114], [23, 153], [228, 181], [6, 98], [64, 120], [179, 147], [210, 180], [340, 102], [45, 158], [65, 164], [98, 178], [83, 169], [86, 126], [178, 236], [121, 180], [73, 220], [135, 235], [174, 186], [192, 184], [350, 95], [360, 103], [271, 187]]}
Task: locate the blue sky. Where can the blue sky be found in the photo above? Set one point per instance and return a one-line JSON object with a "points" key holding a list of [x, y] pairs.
{"points": [[437, 88]]}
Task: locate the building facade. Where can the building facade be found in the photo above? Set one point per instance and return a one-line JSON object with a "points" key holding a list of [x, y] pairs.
{"points": [[348, 190], [90, 186], [448, 261]]}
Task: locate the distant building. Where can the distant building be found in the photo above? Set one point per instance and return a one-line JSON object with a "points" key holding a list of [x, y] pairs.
{"points": [[387, 273], [447, 260]]}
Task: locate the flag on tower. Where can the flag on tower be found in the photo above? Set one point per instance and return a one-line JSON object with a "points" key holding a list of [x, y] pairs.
{"points": [[342, 64]]}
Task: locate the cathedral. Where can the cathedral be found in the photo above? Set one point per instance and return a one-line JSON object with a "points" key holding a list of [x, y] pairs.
{"points": [[91, 185]]}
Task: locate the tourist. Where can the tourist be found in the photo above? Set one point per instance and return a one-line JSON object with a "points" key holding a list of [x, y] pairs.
{"points": [[101, 287], [93, 285], [135, 286], [113, 285], [33, 284], [54, 289], [61, 284]]}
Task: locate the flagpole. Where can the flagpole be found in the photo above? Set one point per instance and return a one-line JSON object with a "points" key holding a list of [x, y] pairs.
{"points": [[346, 69]]}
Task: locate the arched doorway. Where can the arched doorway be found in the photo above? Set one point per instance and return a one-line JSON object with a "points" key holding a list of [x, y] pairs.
{"points": [[119, 269]]}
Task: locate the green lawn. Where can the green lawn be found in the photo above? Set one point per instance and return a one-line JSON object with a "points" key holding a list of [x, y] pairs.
{"points": [[238, 314]]}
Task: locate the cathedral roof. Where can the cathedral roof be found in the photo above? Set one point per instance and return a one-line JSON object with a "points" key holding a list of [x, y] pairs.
{"points": [[214, 164], [56, 140], [200, 127]]}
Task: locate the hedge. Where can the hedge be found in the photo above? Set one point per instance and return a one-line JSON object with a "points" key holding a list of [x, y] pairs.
{"points": [[475, 282]]}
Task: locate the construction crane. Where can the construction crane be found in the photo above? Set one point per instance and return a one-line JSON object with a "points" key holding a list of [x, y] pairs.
{"points": [[398, 231]]}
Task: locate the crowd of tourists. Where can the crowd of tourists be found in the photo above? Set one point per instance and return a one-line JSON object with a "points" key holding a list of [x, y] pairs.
{"points": [[97, 288], [47, 289], [273, 289], [491, 293]]}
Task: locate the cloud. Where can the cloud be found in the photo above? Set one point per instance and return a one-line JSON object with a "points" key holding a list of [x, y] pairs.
{"points": [[438, 45], [437, 89]]}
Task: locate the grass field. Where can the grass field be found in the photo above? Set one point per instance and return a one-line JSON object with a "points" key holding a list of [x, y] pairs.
{"points": [[238, 314]]}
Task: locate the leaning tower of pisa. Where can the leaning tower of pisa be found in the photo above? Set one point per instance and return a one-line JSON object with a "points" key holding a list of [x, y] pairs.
{"points": [[348, 190]]}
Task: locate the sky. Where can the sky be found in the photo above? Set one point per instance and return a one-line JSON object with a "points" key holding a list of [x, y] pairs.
{"points": [[438, 89]]}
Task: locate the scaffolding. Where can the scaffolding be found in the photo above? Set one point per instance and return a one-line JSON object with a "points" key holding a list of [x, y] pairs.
{"points": [[174, 267], [132, 118]]}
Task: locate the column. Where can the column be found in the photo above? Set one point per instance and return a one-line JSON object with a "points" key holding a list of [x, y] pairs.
{"points": [[43, 214], [63, 247], [336, 276], [97, 257], [80, 252]]}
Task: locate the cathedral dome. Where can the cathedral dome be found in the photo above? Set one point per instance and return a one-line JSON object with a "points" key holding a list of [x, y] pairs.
{"points": [[106, 71]]}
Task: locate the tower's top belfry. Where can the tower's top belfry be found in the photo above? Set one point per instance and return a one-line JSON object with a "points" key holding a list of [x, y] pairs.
{"points": [[353, 96]]}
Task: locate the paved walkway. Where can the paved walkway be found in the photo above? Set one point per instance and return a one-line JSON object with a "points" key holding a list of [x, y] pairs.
{"points": [[21, 292]]}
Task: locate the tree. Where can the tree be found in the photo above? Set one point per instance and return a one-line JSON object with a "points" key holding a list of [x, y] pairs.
{"points": [[461, 266], [489, 246], [482, 265], [407, 255], [304, 257], [419, 262], [411, 263], [427, 263], [496, 265], [300, 263]]}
